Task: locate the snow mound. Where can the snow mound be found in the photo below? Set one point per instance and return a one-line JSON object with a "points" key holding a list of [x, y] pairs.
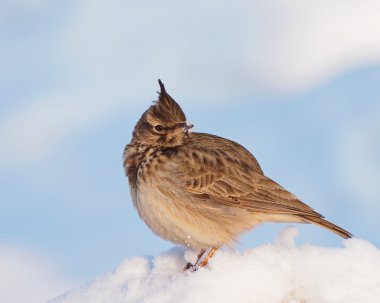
{"points": [[280, 272]]}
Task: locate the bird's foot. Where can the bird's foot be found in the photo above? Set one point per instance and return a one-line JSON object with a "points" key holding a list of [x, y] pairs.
{"points": [[201, 262], [189, 266]]}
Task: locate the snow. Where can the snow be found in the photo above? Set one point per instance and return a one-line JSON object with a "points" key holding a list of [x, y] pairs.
{"points": [[278, 272]]}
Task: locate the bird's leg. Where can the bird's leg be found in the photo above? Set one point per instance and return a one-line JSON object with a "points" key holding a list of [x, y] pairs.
{"points": [[201, 262], [189, 265], [208, 257]]}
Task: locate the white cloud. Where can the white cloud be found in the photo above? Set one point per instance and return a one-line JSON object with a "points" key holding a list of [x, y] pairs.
{"points": [[271, 273], [224, 47], [37, 129], [208, 50], [28, 277]]}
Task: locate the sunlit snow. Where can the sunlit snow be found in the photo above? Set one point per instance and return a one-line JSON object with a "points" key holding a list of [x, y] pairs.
{"points": [[278, 272]]}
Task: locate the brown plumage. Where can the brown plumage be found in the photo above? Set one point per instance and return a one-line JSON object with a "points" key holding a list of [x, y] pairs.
{"points": [[201, 190]]}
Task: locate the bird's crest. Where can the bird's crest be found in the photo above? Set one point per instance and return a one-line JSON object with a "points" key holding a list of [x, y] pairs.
{"points": [[166, 108]]}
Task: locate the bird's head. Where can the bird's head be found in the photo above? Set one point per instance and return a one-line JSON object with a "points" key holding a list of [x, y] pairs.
{"points": [[163, 124]]}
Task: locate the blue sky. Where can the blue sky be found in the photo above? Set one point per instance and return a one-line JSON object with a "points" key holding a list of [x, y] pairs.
{"points": [[296, 82]]}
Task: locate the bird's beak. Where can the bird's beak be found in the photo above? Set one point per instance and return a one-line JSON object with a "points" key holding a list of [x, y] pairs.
{"points": [[187, 128]]}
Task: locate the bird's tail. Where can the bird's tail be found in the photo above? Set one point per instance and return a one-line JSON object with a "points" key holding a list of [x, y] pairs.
{"points": [[326, 224]]}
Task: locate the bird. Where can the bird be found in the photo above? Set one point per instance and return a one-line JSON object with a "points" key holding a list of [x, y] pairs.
{"points": [[200, 190]]}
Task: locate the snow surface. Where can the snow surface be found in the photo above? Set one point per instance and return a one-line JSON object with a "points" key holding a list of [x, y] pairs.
{"points": [[279, 272]]}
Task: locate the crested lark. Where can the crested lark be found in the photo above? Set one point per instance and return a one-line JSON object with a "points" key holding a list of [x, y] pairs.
{"points": [[200, 190]]}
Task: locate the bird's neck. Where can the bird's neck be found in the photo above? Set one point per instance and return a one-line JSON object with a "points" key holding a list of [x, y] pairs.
{"points": [[134, 155]]}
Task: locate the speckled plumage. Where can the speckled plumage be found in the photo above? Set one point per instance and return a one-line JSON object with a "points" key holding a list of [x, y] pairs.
{"points": [[200, 190]]}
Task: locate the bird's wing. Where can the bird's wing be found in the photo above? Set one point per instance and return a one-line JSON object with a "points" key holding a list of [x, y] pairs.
{"points": [[216, 170]]}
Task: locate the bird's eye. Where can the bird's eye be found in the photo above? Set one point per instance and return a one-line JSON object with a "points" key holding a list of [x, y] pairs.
{"points": [[159, 128]]}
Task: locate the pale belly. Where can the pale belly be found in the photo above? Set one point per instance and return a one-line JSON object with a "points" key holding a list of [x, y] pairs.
{"points": [[195, 227], [168, 218]]}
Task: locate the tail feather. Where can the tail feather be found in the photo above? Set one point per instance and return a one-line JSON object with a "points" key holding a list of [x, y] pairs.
{"points": [[326, 224]]}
